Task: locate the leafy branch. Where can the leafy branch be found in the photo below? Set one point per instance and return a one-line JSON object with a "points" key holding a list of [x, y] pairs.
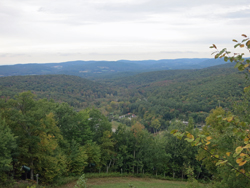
{"points": [[241, 153], [241, 63]]}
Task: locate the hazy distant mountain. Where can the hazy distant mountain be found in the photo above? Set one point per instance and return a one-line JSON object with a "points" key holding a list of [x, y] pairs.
{"points": [[97, 69]]}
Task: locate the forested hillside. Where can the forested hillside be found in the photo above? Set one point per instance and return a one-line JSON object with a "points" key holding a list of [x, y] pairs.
{"points": [[182, 93], [161, 94], [175, 75], [78, 92]]}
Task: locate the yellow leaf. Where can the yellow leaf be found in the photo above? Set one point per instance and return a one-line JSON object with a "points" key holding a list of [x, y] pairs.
{"points": [[217, 156], [228, 154], [243, 35], [248, 43], [190, 136], [208, 143], [209, 138], [239, 149], [242, 45], [246, 139], [239, 160], [246, 65], [246, 146], [235, 40], [242, 163], [229, 119], [243, 171], [243, 154]]}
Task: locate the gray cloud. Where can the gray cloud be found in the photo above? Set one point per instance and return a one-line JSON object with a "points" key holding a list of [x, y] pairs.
{"points": [[113, 28]]}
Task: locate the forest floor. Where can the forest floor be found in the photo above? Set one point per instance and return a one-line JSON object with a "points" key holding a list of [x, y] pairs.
{"points": [[124, 182]]}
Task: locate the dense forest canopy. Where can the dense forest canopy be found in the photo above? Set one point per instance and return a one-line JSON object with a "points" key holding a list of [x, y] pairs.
{"points": [[162, 94]]}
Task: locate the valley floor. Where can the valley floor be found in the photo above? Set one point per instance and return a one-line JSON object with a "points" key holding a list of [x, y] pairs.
{"points": [[124, 182]]}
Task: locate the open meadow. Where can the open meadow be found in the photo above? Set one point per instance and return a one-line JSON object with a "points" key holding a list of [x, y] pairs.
{"points": [[125, 182]]}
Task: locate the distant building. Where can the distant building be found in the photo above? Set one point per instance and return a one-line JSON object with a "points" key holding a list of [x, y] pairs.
{"points": [[185, 122]]}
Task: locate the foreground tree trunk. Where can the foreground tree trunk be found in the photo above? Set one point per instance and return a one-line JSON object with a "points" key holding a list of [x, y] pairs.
{"points": [[31, 170]]}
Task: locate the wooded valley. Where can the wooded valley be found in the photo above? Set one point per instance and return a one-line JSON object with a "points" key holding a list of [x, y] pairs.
{"points": [[62, 125]]}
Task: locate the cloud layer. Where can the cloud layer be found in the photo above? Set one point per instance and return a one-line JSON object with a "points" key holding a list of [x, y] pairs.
{"points": [[61, 30]]}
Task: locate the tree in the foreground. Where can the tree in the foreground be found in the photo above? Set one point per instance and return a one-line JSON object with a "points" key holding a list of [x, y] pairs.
{"points": [[225, 140], [37, 135], [7, 145], [107, 149]]}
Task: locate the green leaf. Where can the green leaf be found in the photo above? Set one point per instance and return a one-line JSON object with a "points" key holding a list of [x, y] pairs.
{"points": [[248, 44], [235, 46], [241, 67], [222, 51], [221, 162], [238, 150], [246, 89], [226, 58], [197, 140], [173, 131], [177, 134], [189, 140]]}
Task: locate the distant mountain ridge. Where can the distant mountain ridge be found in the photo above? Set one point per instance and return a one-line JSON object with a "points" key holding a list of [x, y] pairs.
{"points": [[97, 69]]}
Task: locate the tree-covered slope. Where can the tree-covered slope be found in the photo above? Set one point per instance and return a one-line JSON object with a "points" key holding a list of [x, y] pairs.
{"points": [[63, 88], [146, 78], [181, 93], [167, 94]]}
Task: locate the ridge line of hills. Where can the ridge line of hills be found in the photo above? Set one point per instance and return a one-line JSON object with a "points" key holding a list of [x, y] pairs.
{"points": [[106, 69]]}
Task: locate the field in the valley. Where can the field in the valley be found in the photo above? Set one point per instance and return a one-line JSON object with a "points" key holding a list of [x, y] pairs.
{"points": [[124, 182]]}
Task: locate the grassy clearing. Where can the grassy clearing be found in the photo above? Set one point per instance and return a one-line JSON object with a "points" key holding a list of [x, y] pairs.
{"points": [[115, 125], [123, 182]]}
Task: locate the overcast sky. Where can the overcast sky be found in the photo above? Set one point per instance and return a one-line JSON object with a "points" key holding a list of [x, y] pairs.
{"points": [[44, 31]]}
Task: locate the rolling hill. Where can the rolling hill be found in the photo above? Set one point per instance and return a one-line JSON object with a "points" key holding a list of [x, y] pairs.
{"points": [[77, 91], [106, 69]]}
